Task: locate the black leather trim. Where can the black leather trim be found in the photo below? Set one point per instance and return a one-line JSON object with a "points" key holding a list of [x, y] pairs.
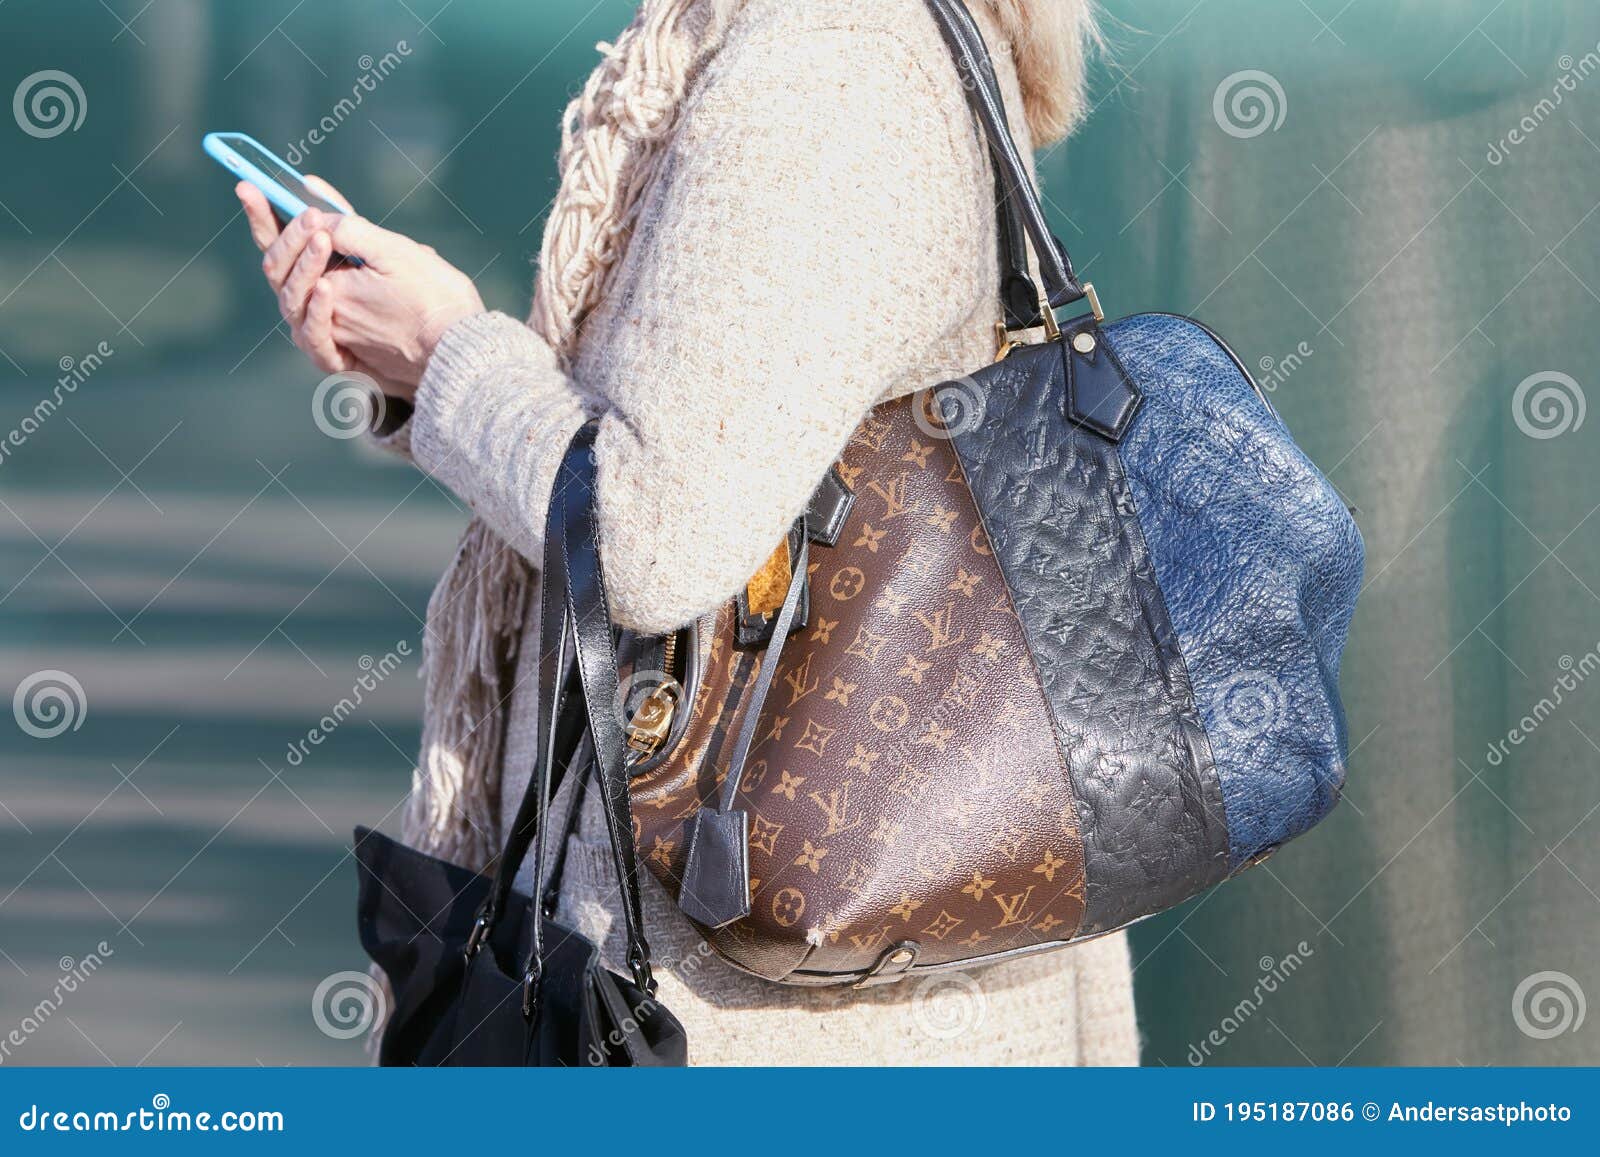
{"points": [[715, 890], [1060, 519], [1100, 394], [829, 507]]}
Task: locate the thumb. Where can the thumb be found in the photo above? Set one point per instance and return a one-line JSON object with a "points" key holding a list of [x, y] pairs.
{"points": [[318, 185], [357, 237]]}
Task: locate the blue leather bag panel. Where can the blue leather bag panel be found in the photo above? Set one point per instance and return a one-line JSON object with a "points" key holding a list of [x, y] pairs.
{"points": [[1259, 562]]}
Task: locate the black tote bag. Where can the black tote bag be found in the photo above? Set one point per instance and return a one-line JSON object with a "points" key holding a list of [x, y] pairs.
{"points": [[481, 974]]}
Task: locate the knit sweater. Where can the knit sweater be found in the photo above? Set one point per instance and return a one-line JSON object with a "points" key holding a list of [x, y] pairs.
{"points": [[820, 236]]}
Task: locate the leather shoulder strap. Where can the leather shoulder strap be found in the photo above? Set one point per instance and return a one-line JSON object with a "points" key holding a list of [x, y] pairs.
{"points": [[1020, 200]]}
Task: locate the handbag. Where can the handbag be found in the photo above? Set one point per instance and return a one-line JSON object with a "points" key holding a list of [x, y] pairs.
{"points": [[1055, 647], [482, 975]]}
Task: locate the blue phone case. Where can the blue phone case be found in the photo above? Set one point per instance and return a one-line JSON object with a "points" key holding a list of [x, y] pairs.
{"points": [[283, 199]]}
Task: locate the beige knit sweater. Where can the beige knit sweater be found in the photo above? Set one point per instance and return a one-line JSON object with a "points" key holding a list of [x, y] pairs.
{"points": [[820, 236]]}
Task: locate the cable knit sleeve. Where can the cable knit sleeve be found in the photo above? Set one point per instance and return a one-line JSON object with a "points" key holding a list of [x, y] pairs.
{"points": [[493, 414], [790, 265]]}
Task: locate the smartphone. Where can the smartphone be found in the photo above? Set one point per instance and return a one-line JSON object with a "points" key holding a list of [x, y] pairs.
{"points": [[286, 190]]}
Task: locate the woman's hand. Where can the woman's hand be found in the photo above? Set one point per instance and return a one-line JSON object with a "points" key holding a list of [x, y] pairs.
{"points": [[390, 311], [382, 319]]}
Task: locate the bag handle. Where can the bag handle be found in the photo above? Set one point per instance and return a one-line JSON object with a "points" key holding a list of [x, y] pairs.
{"points": [[1019, 198], [1019, 295], [580, 576], [528, 827], [527, 830], [555, 655], [575, 646]]}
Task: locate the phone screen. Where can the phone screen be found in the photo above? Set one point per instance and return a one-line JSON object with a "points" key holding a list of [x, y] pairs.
{"points": [[279, 172]]}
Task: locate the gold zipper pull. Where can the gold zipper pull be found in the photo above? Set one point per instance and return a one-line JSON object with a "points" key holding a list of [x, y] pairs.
{"points": [[652, 722]]}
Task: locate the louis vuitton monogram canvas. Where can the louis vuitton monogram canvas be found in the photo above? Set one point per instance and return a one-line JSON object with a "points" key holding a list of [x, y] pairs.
{"points": [[906, 787]]}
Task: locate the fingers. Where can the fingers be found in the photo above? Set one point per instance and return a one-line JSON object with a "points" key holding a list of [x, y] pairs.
{"points": [[294, 259], [318, 185], [282, 254], [316, 331], [355, 236], [302, 278], [263, 225]]}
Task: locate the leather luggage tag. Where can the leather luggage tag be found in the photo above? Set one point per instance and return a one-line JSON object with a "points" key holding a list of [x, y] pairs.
{"points": [[715, 889]]}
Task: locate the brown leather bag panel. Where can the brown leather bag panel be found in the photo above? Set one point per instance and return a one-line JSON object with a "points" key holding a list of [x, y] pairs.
{"points": [[906, 784]]}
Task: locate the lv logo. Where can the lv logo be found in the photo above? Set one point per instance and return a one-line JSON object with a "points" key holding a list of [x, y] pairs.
{"points": [[869, 941], [800, 680], [872, 434], [835, 807], [1013, 908], [940, 627], [893, 495], [963, 690]]}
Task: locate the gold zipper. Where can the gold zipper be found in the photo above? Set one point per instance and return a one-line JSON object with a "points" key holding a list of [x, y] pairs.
{"points": [[651, 724]]}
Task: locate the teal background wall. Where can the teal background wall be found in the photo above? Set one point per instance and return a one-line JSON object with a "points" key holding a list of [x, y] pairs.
{"points": [[1402, 239]]}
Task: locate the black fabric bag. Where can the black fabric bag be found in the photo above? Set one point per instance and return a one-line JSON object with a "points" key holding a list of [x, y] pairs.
{"points": [[481, 974]]}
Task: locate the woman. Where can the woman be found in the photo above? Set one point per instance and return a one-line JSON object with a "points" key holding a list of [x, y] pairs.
{"points": [[773, 215]]}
